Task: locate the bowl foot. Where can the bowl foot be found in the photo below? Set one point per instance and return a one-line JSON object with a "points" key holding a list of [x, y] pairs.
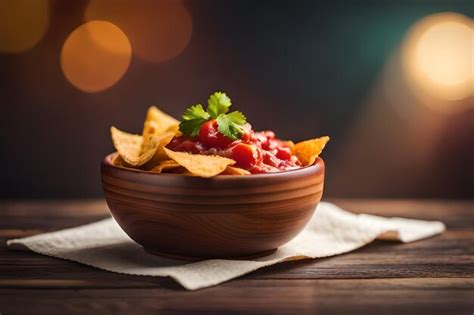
{"points": [[193, 258]]}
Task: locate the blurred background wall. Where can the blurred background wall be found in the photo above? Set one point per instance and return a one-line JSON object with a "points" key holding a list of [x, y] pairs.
{"points": [[390, 81]]}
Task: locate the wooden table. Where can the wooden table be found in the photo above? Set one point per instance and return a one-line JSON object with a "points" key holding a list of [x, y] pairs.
{"points": [[433, 276]]}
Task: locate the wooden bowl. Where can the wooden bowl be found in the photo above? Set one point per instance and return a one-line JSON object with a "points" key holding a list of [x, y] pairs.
{"points": [[226, 216]]}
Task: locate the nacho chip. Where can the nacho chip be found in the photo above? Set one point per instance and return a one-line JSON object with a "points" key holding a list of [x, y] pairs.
{"points": [[119, 161], [289, 143], [157, 122], [307, 151], [200, 165], [170, 164], [175, 129], [149, 131], [160, 154], [129, 146], [232, 170]]}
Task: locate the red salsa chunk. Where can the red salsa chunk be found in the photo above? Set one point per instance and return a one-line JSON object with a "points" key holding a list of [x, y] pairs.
{"points": [[257, 152]]}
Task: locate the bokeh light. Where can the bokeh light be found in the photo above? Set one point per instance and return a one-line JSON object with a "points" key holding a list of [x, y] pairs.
{"points": [[95, 56], [158, 30], [23, 24], [438, 57]]}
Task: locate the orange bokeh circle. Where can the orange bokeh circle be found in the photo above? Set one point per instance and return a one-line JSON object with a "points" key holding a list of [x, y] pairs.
{"points": [[95, 56], [23, 23], [158, 30]]}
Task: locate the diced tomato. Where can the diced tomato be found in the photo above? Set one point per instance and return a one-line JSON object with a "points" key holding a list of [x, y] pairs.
{"points": [[270, 159], [266, 139], [248, 135], [283, 153], [245, 155], [257, 152], [269, 134], [211, 137]]}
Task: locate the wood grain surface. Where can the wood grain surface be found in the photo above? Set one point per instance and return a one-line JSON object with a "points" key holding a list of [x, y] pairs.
{"points": [[433, 276], [221, 217]]}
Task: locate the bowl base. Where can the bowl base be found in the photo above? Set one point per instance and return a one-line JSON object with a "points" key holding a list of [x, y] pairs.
{"points": [[193, 258]]}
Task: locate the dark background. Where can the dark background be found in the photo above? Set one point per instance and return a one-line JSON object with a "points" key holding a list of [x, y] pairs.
{"points": [[300, 68]]}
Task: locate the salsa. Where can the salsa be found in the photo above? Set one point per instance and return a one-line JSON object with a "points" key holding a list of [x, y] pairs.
{"points": [[208, 142], [256, 152]]}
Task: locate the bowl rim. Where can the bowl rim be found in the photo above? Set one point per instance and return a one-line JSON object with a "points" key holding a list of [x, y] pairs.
{"points": [[318, 164]]}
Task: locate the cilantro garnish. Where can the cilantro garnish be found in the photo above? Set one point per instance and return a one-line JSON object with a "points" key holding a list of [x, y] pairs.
{"points": [[193, 118], [230, 125], [217, 104]]}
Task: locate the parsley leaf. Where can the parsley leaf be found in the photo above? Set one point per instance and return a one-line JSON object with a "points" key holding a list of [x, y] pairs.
{"points": [[231, 125], [193, 118], [218, 103]]}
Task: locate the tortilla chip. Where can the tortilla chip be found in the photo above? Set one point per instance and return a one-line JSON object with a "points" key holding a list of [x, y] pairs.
{"points": [[168, 162], [165, 166], [148, 133], [232, 170], [129, 146], [307, 151], [200, 165], [289, 143], [119, 161], [175, 130], [160, 154], [157, 122]]}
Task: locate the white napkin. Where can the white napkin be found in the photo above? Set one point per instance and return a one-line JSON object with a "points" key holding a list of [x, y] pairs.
{"points": [[331, 231]]}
